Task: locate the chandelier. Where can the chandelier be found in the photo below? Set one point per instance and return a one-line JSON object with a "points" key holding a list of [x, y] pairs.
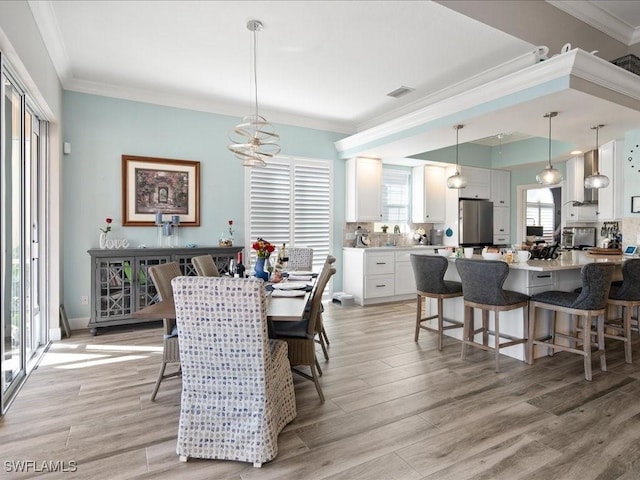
{"points": [[254, 140], [549, 176], [596, 180], [457, 180]]}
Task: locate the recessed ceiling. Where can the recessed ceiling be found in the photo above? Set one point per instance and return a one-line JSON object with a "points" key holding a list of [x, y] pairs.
{"points": [[327, 65]]}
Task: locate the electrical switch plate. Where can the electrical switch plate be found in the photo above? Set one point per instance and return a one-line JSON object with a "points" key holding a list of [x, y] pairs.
{"points": [[84, 300]]}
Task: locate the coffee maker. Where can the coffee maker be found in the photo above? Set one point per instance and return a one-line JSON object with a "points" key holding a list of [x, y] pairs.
{"points": [[362, 238]]}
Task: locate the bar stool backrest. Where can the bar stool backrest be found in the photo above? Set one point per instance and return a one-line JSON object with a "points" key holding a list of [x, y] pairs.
{"points": [[482, 280], [429, 271], [596, 282], [630, 288]]}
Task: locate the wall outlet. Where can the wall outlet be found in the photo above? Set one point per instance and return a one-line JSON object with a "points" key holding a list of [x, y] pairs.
{"points": [[84, 300]]}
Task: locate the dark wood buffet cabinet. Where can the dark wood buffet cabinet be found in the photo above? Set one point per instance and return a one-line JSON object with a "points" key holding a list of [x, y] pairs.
{"points": [[121, 284]]}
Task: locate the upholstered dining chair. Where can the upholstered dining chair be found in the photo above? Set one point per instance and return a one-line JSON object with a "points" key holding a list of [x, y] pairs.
{"points": [[321, 334], [299, 258], [588, 304], [205, 266], [429, 271], [161, 276], [237, 386], [482, 282], [624, 294], [300, 335]]}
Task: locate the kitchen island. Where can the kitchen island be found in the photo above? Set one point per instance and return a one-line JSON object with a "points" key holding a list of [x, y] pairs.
{"points": [[530, 277]]}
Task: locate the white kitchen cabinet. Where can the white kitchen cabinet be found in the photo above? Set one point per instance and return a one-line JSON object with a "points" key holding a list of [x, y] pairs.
{"points": [[611, 164], [478, 183], [428, 192], [501, 225], [501, 188], [575, 193], [377, 275], [363, 198], [405, 282]]}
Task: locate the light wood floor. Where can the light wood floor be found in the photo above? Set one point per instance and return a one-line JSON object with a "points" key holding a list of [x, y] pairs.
{"points": [[395, 409]]}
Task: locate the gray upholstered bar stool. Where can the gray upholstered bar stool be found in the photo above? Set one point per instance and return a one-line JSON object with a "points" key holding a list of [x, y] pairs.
{"points": [[429, 271], [590, 303], [625, 294], [482, 282]]}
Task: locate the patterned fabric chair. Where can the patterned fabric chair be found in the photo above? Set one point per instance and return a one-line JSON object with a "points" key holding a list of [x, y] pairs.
{"points": [[482, 282], [205, 266], [161, 276], [590, 302], [300, 335], [237, 388], [299, 258], [625, 295], [429, 271]]}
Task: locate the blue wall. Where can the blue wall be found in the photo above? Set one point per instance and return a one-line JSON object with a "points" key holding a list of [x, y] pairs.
{"points": [[102, 129]]}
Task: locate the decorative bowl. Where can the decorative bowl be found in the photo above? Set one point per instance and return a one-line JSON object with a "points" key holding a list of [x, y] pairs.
{"points": [[445, 252], [492, 256]]}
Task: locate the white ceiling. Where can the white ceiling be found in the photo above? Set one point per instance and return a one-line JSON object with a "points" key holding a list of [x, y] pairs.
{"points": [[322, 64]]}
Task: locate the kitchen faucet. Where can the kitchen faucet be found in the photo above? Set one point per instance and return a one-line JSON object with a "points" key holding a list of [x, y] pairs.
{"points": [[396, 231]]}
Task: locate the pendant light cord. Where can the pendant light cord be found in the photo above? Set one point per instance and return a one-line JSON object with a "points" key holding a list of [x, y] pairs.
{"points": [[549, 164]]}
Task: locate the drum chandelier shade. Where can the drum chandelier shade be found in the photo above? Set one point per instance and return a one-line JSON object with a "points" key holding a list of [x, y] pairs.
{"points": [[457, 180], [254, 140], [596, 180], [549, 176]]}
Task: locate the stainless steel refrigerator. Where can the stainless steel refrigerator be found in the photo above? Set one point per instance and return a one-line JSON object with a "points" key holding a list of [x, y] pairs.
{"points": [[476, 223]]}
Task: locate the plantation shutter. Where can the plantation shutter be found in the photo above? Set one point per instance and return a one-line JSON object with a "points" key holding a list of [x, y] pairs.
{"points": [[290, 202]]}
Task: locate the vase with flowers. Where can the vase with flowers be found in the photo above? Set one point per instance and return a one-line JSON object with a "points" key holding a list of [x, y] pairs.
{"points": [[226, 239], [263, 251], [104, 231]]}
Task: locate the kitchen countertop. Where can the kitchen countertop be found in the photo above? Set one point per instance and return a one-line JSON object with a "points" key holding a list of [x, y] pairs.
{"points": [[403, 247]]}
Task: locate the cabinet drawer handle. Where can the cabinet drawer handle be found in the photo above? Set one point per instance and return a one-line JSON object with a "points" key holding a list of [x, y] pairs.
{"points": [[380, 286], [381, 263], [501, 201], [543, 276], [502, 229]]}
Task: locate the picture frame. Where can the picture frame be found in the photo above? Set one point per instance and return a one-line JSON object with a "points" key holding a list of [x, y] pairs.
{"points": [[635, 204], [168, 186]]}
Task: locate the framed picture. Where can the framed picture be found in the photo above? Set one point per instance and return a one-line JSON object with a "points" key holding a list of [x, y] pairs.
{"points": [[635, 204], [152, 185]]}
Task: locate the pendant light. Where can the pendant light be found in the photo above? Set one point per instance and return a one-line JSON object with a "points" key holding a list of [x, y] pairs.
{"points": [[549, 176], [254, 140], [596, 180], [457, 180]]}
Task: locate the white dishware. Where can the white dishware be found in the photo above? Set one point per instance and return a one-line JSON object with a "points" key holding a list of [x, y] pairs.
{"points": [[523, 255], [492, 256], [445, 252], [468, 252]]}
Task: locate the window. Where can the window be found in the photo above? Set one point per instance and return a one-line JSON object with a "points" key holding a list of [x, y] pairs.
{"points": [[289, 201], [396, 192], [540, 211]]}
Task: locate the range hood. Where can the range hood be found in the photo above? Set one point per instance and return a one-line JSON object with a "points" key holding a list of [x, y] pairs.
{"points": [[590, 167]]}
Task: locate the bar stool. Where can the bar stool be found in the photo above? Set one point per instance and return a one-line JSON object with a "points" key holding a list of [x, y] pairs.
{"points": [[429, 271], [482, 282], [625, 294], [590, 302]]}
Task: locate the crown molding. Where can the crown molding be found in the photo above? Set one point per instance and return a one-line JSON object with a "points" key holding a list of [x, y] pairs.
{"points": [[591, 14]]}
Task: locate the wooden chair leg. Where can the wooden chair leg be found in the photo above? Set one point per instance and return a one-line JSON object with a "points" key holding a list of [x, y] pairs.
{"points": [[485, 327], [600, 337], [586, 346], [627, 333], [418, 317], [466, 329], [440, 323], [496, 338], [314, 375], [531, 334], [525, 330], [158, 381], [551, 351]]}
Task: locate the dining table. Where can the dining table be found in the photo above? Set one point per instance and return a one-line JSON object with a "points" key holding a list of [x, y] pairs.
{"points": [[279, 309]]}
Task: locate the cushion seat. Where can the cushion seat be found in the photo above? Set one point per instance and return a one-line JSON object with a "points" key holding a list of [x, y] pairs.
{"points": [[556, 297]]}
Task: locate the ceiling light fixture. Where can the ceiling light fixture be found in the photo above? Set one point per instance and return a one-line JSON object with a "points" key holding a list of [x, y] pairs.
{"points": [[456, 180], [549, 176], [596, 180], [254, 139]]}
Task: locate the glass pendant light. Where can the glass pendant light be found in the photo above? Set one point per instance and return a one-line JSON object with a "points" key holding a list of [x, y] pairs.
{"points": [[596, 180], [549, 176], [254, 140], [457, 180]]}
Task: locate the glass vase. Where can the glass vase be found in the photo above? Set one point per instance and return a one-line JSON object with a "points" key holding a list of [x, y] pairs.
{"points": [[259, 268]]}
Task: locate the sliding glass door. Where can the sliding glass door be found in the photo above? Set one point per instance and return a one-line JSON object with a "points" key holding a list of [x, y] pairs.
{"points": [[22, 153]]}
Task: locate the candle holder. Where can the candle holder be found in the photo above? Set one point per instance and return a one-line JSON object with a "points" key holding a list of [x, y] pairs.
{"points": [[168, 235]]}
